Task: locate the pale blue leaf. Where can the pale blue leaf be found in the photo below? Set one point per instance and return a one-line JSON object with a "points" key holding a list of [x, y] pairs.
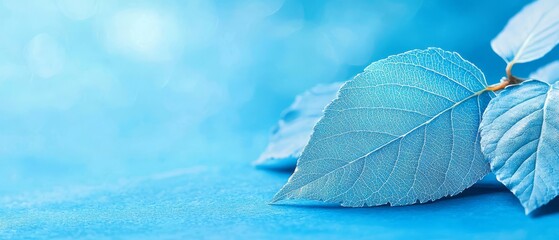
{"points": [[530, 34], [404, 130], [294, 129], [548, 73], [520, 138]]}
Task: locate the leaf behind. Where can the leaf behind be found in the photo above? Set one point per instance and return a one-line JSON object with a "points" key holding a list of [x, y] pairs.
{"points": [[548, 73], [293, 131], [530, 34]]}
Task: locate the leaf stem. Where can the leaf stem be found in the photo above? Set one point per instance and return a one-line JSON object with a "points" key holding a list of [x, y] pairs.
{"points": [[500, 86], [510, 79]]}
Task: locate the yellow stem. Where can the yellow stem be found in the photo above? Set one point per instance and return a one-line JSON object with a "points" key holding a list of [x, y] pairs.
{"points": [[510, 79], [499, 86]]}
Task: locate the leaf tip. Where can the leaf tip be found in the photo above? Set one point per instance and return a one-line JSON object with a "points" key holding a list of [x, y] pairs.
{"points": [[534, 209], [281, 195], [276, 199], [529, 210]]}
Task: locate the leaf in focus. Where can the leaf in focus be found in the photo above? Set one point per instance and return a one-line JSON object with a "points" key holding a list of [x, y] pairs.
{"points": [[530, 34], [404, 130], [519, 136], [548, 73], [294, 129]]}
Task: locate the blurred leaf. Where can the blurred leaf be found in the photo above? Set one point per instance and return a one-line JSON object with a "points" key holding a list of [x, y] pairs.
{"points": [[404, 130], [548, 73], [530, 34], [294, 129], [519, 134]]}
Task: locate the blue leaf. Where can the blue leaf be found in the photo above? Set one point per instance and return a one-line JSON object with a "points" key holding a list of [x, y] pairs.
{"points": [[294, 129], [404, 130], [548, 73], [530, 34], [519, 136]]}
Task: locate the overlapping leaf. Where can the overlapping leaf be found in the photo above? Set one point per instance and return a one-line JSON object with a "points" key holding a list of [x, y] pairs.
{"points": [[548, 73], [294, 129], [520, 137], [404, 130], [530, 34]]}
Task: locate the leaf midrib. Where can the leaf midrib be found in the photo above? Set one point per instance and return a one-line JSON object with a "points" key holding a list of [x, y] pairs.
{"points": [[477, 94]]}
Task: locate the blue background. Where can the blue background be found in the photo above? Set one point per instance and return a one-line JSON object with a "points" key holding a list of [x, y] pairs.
{"points": [[141, 118]]}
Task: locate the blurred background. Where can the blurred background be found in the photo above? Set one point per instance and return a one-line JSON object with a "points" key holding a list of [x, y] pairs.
{"points": [[95, 91]]}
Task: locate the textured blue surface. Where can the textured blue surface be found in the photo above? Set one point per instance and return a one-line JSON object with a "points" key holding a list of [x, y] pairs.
{"points": [[519, 134], [404, 130], [195, 203], [131, 119]]}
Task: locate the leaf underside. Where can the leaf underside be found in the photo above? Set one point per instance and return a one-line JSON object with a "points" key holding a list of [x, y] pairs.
{"points": [[530, 34], [519, 135], [404, 130], [294, 129]]}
